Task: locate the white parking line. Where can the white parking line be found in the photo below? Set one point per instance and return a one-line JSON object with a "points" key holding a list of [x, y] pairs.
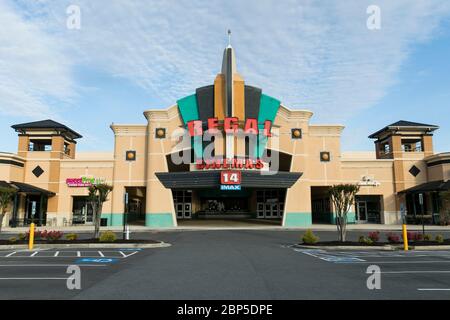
{"points": [[33, 278], [112, 254], [433, 289], [417, 271], [52, 265], [402, 262], [128, 255]]}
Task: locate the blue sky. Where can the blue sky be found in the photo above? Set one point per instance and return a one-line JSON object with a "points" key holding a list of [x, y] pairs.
{"points": [[130, 56]]}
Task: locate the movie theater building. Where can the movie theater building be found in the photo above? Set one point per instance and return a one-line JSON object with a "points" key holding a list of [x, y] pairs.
{"points": [[244, 155]]}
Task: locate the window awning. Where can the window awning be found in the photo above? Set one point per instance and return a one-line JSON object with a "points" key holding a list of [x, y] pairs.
{"points": [[434, 186], [26, 188]]}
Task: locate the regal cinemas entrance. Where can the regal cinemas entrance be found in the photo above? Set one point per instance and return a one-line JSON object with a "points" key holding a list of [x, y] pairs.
{"points": [[200, 195]]}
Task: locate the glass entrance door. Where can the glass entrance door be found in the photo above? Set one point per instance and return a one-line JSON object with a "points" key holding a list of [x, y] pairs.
{"points": [[187, 211], [361, 211], [82, 212], [183, 204]]}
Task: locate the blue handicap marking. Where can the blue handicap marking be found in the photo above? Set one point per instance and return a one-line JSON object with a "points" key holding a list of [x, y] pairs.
{"points": [[131, 249], [341, 259], [96, 260]]}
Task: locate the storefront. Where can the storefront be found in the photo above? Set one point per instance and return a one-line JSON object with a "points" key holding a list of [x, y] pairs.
{"points": [[227, 151]]}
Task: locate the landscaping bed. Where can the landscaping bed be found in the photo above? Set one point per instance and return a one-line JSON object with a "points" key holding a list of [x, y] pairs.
{"points": [[80, 241], [377, 244], [373, 239], [52, 237]]}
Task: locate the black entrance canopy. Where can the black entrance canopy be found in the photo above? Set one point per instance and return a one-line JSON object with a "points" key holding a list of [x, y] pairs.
{"points": [[26, 188], [211, 179], [434, 186]]}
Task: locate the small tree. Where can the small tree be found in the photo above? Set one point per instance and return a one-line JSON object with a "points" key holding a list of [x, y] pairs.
{"points": [[98, 194], [6, 196], [343, 197], [444, 214]]}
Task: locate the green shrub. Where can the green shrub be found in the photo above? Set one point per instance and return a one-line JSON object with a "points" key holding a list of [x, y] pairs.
{"points": [[12, 240], [439, 238], [107, 236], [71, 236], [427, 237], [309, 237], [22, 236], [366, 241]]}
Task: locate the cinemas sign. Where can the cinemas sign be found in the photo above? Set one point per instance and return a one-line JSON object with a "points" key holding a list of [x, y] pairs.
{"points": [[235, 163]]}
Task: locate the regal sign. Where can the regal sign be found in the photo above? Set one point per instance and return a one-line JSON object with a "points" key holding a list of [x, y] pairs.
{"points": [[230, 126]]}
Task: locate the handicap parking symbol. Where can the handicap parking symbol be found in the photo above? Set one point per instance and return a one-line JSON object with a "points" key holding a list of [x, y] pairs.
{"points": [[96, 260]]}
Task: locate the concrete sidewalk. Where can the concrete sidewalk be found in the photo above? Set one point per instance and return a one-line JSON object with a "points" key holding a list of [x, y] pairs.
{"points": [[232, 225]]}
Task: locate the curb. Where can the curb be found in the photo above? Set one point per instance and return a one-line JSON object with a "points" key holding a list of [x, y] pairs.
{"points": [[89, 245], [443, 247], [379, 248]]}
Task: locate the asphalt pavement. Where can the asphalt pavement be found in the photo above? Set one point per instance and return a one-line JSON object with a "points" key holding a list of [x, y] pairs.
{"points": [[228, 264]]}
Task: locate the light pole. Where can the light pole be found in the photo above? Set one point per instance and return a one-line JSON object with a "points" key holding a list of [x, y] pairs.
{"points": [[126, 231], [422, 211]]}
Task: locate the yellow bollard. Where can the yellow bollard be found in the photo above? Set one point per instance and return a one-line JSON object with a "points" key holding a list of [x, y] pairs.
{"points": [[31, 240], [405, 237]]}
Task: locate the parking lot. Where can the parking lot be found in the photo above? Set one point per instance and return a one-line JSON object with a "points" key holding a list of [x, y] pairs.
{"points": [[228, 264], [423, 271], [43, 274]]}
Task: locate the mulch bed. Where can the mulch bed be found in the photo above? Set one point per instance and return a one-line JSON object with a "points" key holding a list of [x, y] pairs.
{"points": [[378, 244], [80, 241]]}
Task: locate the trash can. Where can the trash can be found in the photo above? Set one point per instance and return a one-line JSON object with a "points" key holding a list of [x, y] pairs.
{"points": [[103, 222]]}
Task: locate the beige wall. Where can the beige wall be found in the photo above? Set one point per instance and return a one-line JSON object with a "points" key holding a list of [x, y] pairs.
{"points": [[391, 175]]}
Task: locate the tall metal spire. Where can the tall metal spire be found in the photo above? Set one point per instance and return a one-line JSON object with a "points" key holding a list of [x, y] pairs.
{"points": [[228, 70]]}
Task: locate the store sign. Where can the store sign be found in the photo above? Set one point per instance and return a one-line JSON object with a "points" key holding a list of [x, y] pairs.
{"points": [[230, 126], [83, 182], [229, 164], [230, 180], [368, 181]]}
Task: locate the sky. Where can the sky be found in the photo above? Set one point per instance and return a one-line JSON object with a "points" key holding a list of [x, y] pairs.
{"points": [[130, 56]]}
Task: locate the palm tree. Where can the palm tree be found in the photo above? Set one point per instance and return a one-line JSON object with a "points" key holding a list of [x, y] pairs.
{"points": [[98, 194], [343, 197], [6, 196]]}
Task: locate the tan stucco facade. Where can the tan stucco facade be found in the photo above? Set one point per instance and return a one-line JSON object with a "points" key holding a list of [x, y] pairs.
{"points": [[143, 150]]}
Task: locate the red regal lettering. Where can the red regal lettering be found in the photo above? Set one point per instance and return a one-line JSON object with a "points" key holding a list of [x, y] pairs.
{"points": [[267, 128], [251, 126], [230, 125], [195, 128]]}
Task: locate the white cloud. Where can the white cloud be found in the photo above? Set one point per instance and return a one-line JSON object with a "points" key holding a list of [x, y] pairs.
{"points": [[33, 69], [307, 53]]}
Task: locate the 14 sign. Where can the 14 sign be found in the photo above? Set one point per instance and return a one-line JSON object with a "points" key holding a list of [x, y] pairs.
{"points": [[230, 177]]}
